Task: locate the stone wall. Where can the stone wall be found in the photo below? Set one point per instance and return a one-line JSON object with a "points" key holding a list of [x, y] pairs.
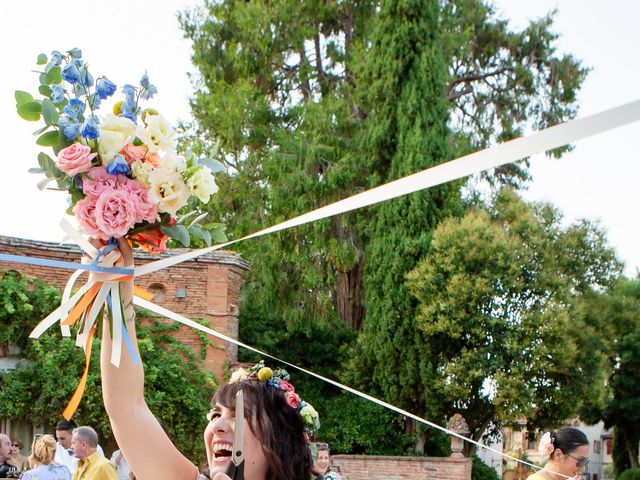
{"points": [[361, 467], [207, 287]]}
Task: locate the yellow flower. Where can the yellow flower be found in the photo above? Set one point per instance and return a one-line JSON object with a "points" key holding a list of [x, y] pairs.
{"points": [[264, 374]]}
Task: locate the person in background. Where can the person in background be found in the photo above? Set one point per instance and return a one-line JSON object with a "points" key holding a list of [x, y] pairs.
{"points": [[17, 459], [567, 451], [91, 465], [5, 454], [323, 463], [64, 452], [121, 465], [43, 451]]}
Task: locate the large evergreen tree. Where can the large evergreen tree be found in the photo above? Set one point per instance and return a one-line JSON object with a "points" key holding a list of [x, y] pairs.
{"points": [[309, 105]]}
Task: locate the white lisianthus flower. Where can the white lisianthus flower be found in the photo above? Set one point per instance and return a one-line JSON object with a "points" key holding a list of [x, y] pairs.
{"points": [[140, 171], [202, 184], [157, 134], [167, 190], [172, 161], [115, 133], [239, 375]]}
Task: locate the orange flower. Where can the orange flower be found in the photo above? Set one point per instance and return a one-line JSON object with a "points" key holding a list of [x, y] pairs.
{"points": [[152, 241]]}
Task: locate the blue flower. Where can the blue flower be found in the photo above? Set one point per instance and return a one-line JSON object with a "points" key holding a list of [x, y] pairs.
{"points": [[130, 116], [71, 74], [94, 101], [86, 77], [56, 58], [70, 129], [75, 53], [119, 166], [57, 94], [105, 88], [74, 108], [148, 90], [89, 128], [129, 93]]}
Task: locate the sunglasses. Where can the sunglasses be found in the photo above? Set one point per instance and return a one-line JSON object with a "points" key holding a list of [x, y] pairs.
{"points": [[580, 461], [15, 444]]}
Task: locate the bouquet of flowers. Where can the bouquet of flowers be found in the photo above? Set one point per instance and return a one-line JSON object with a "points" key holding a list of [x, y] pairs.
{"points": [[120, 168]]}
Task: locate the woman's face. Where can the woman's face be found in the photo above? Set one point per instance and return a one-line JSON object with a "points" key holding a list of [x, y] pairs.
{"points": [[323, 461], [567, 463], [218, 440]]}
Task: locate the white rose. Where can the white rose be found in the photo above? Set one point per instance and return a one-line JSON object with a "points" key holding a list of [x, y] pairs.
{"points": [[140, 171], [173, 161], [202, 184], [115, 133], [167, 190], [157, 134], [239, 375]]}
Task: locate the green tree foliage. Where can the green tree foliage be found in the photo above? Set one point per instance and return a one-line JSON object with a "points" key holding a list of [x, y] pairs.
{"points": [[631, 474], [617, 312], [300, 98], [177, 391], [23, 303], [498, 303]]}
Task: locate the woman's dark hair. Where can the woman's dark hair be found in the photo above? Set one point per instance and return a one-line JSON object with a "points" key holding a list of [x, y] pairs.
{"points": [[278, 426], [568, 439]]}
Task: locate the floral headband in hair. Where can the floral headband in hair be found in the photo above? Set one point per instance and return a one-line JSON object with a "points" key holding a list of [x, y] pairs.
{"points": [[278, 379], [546, 447]]}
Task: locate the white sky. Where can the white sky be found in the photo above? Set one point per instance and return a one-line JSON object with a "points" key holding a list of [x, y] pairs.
{"points": [[596, 181]]}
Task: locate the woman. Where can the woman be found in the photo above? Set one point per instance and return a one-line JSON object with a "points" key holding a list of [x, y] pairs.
{"points": [[275, 446], [567, 451], [323, 463], [43, 450], [17, 459]]}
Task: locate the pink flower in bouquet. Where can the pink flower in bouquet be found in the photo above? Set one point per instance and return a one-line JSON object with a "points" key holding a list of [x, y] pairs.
{"points": [[115, 213], [74, 159], [84, 211], [98, 180], [145, 210], [132, 152], [292, 399], [152, 158]]}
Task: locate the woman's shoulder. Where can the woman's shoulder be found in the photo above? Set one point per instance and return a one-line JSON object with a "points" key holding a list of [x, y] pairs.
{"points": [[536, 476]]}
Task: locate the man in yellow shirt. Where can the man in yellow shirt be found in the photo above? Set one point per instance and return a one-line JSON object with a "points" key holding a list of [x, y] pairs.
{"points": [[91, 465]]}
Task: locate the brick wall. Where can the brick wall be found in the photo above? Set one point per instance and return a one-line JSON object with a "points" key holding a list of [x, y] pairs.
{"points": [[211, 282], [361, 467]]}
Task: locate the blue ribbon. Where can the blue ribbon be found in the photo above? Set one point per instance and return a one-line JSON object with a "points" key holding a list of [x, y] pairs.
{"points": [[60, 264], [127, 342]]}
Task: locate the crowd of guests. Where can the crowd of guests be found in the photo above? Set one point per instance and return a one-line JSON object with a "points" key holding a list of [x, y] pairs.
{"points": [[72, 454]]}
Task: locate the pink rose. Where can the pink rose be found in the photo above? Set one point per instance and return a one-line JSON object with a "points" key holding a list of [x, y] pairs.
{"points": [[286, 386], [84, 211], [152, 158], [145, 210], [75, 159], [132, 153], [291, 398], [98, 180], [115, 213]]}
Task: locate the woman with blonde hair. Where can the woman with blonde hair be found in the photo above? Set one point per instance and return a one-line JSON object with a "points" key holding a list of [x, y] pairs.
{"points": [[43, 450]]}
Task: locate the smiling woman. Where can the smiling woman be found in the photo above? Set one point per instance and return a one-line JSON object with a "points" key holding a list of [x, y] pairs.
{"points": [[276, 421], [568, 454]]}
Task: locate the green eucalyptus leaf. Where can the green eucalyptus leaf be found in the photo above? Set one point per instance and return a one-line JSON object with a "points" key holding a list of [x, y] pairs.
{"points": [[30, 111], [197, 220], [22, 97], [201, 234], [40, 131], [49, 112], [48, 139], [45, 90], [36, 170], [47, 164], [214, 165], [42, 59], [54, 75], [178, 233], [187, 216], [42, 184]]}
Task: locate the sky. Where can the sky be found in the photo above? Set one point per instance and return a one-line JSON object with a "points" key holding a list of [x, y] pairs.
{"points": [[597, 180]]}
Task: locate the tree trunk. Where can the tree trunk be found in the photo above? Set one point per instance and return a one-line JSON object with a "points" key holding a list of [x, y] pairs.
{"points": [[349, 295]]}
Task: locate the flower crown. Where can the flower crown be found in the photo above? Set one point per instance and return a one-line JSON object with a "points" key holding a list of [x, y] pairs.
{"points": [[278, 379], [546, 446]]}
